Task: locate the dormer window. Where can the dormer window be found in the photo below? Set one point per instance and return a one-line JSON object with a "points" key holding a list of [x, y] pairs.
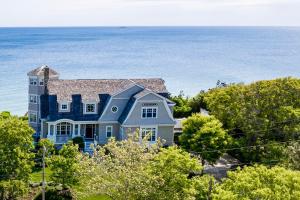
{"points": [[33, 81], [64, 107], [90, 108], [149, 112]]}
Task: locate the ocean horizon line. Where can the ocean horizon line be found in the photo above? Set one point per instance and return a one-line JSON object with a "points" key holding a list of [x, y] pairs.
{"points": [[154, 26]]}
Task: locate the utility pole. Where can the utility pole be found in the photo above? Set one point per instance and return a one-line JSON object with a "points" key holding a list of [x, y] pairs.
{"points": [[43, 174]]}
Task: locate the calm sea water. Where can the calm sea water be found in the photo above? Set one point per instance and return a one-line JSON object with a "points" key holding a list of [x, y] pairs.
{"points": [[188, 58]]}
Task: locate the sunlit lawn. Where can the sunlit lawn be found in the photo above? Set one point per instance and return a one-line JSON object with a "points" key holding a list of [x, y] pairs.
{"points": [[101, 197], [36, 176]]}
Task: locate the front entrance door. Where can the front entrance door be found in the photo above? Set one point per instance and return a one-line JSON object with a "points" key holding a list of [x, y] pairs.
{"points": [[89, 131]]}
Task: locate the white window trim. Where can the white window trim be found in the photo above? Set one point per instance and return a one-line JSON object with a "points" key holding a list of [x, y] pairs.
{"points": [[150, 126], [112, 109], [111, 127], [64, 103], [37, 98], [84, 109], [145, 107], [35, 113]]}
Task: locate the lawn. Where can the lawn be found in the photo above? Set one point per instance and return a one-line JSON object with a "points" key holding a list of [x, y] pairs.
{"points": [[100, 197], [36, 175]]}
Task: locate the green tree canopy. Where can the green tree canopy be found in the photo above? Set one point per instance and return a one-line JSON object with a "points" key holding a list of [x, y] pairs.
{"points": [[16, 144], [182, 108], [259, 182], [172, 166], [131, 170], [205, 135], [65, 165], [258, 113]]}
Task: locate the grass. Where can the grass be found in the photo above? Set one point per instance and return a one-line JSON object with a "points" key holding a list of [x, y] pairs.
{"points": [[98, 197], [36, 175]]}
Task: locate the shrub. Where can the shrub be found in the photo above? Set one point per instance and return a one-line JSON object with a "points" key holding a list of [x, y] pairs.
{"points": [[79, 141], [56, 194]]}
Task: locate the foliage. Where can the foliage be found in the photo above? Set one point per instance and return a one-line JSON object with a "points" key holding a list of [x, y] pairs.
{"points": [[12, 189], [181, 109], [131, 170], [65, 166], [79, 141], [56, 194], [205, 135], [259, 182], [172, 168], [197, 102], [258, 113], [50, 149], [118, 170], [15, 156], [292, 153]]}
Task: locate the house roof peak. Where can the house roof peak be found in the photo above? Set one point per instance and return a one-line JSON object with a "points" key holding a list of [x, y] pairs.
{"points": [[41, 70]]}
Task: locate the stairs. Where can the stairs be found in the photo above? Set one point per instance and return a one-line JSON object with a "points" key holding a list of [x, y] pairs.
{"points": [[87, 145]]}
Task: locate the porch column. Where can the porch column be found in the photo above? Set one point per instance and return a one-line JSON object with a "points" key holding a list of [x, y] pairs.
{"points": [[54, 133], [73, 131], [79, 130]]}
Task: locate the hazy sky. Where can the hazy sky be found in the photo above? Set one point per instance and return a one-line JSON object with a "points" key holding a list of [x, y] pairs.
{"points": [[149, 12]]}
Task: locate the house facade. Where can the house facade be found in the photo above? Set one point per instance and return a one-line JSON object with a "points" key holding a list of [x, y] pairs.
{"points": [[97, 110]]}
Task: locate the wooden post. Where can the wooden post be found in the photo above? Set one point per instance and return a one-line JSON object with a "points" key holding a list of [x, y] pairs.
{"points": [[43, 174]]}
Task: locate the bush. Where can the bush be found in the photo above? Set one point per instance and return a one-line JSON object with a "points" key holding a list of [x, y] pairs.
{"points": [[12, 189], [56, 194], [79, 141]]}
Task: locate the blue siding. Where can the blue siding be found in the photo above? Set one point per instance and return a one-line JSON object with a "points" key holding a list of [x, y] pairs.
{"points": [[76, 110], [104, 98], [127, 110], [44, 106]]}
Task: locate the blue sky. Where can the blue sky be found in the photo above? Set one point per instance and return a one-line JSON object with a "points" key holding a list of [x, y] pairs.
{"points": [[149, 12]]}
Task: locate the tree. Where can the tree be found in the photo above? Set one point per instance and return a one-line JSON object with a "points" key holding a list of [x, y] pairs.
{"points": [[205, 135], [181, 109], [131, 170], [292, 155], [259, 182], [197, 102], [172, 167], [50, 149], [65, 166], [16, 144], [118, 170], [258, 113]]}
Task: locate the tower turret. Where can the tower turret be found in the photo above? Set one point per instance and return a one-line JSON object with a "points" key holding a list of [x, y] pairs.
{"points": [[38, 81]]}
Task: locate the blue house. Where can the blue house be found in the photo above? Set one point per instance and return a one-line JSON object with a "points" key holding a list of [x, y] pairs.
{"points": [[98, 109]]}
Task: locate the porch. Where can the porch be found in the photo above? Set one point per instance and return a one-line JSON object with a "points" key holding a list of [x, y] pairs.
{"points": [[61, 132]]}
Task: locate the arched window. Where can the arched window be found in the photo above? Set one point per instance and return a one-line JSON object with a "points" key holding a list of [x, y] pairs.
{"points": [[63, 128]]}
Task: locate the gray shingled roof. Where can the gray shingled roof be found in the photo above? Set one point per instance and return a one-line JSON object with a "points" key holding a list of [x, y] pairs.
{"points": [[41, 70], [90, 89]]}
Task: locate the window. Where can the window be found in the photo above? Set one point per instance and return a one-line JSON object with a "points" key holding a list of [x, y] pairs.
{"points": [[109, 130], [149, 133], [114, 109], [64, 107], [76, 129], [33, 117], [33, 81], [148, 112], [90, 108], [63, 128], [33, 99], [41, 82]]}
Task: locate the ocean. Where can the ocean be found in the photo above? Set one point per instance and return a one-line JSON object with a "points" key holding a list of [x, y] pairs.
{"points": [[187, 58]]}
